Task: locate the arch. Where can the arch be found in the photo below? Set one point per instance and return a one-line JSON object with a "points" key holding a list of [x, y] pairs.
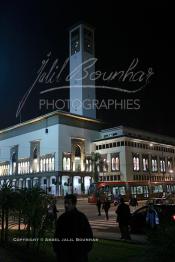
{"points": [[53, 185], [14, 158], [77, 151], [35, 181], [77, 185], [66, 188], [20, 183], [35, 153], [44, 183], [28, 183]]}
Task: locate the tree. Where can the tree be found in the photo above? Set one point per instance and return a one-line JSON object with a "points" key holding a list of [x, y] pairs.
{"points": [[6, 204]]}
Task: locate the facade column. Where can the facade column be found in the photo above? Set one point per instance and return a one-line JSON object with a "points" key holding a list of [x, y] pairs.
{"points": [[59, 185], [82, 185], [71, 183]]}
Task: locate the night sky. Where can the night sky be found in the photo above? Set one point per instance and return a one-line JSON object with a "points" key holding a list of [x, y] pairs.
{"points": [[29, 30]]}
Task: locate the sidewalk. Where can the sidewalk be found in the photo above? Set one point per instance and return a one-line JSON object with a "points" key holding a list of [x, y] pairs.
{"points": [[137, 239]]}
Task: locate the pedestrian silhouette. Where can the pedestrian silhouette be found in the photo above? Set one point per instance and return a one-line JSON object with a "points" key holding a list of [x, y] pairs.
{"points": [[98, 204], [73, 236], [152, 218], [106, 207], [52, 213], [123, 218], [133, 203]]}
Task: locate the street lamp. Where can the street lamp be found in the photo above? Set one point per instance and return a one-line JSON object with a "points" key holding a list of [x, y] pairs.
{"points": [[149, 168]]}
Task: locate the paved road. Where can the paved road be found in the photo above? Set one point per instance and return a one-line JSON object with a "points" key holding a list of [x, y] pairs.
{"points": [[98, 223]]}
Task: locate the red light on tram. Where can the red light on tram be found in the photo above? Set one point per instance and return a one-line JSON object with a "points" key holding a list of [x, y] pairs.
{"points": [[173, 217]]}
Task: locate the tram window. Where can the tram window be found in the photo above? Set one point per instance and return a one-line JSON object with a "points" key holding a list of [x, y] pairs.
{"points": [[158, 189], [114, 144], [118, 143], [122, 143], [139, 190]]}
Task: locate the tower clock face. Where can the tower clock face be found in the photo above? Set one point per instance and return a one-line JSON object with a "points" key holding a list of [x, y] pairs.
{"points": [[88, 41], [75, 41]]}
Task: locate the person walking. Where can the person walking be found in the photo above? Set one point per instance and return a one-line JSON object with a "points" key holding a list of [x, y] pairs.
{"points": [[123, 218], [52, 213], [73, 235], [106, 207], [152, 218], [133, 203], [98, 204]]}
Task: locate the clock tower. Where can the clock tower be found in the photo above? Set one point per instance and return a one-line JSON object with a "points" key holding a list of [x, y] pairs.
{"points": [[82, 69]]}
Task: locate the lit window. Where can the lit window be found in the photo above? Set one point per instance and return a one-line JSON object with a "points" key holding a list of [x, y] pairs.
{"points": [[115, 163], [136, 163], [154, 164], [53, 164], [145, 163], [64, 163]]}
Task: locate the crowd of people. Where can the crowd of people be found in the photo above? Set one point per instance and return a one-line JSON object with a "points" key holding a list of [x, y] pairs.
{"points": [[73, 238]]}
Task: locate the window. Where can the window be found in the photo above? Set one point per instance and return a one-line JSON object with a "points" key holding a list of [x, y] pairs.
{"points": [[145, 163], [88, 165], [88, 41], [170, 165], [14, 160], [53, 181], [115, 162], [162, 165], [75, 41], [35, 160], [47, 163], [67, 162], [23, 167], [154, 164], [136, 163], [4, 169], [103, 164]]}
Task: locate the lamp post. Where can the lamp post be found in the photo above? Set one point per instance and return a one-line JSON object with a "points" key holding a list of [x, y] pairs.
{"points": [[149, 169]]}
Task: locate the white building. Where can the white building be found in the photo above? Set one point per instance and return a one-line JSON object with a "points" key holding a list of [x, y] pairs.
{"points": [[48, 150], [53, 151]]}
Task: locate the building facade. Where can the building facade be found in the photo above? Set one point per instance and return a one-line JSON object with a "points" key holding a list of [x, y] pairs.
{"points": [[50, 151], [54, 151], [137, 157]]}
